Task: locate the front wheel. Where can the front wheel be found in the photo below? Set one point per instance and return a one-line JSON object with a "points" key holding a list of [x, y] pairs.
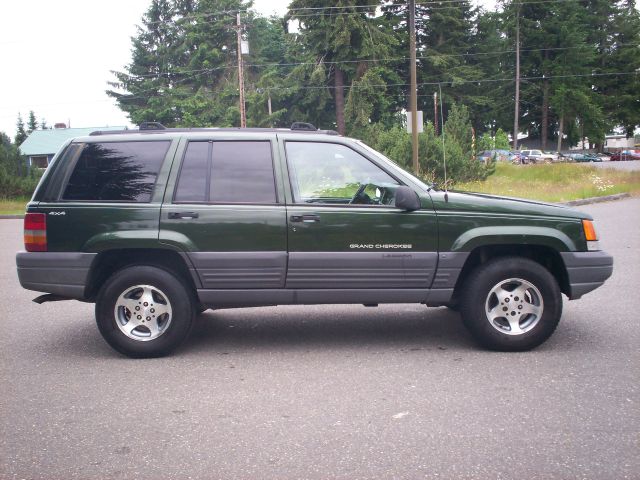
{"points": [[144, 311], [511, 304]]}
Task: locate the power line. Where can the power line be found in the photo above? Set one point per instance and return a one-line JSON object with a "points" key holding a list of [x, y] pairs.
{"points": [[362, 60], [137, 96], [436, 5]]}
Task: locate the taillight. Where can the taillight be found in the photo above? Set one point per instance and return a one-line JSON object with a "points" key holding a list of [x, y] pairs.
{"points": [[35, 232]]}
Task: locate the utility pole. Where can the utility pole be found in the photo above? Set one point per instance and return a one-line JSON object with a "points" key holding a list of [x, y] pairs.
{"points": [[243, 114], [516, 115], [413, 94], [435, 111]]}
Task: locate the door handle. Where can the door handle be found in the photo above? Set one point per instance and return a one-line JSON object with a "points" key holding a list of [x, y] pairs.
{"points": [[178, 215], [307, 218]]}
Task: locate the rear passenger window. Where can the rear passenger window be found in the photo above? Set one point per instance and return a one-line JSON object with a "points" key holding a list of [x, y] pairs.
{"points": [[227, 172], [117, 172]]}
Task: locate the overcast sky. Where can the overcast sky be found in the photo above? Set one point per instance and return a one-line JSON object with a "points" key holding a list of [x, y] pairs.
{"points": [[57, 56]]}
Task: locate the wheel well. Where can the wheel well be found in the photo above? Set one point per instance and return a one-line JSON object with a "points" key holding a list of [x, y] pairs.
{"points": [[545, 256], [109, 262]]}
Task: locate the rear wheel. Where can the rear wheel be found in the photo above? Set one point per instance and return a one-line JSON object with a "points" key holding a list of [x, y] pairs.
{"points": [[511, 304], [144, 311]]}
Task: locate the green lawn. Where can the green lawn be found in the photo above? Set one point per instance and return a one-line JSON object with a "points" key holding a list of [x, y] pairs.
{"points": [[560, 182], [549, 182], [11, 206]]}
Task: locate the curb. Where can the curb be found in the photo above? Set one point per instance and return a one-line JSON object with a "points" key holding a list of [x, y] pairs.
{"points": [[606, 198], [572, 203]]}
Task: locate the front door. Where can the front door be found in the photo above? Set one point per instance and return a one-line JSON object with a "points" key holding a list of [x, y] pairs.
{"points": [[344, 231]]}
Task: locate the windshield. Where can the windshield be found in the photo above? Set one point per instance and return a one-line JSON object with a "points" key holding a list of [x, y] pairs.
{"points": [[422, 184]]}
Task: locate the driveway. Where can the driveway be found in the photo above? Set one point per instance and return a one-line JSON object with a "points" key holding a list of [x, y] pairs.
{"points": [[325, 392]]}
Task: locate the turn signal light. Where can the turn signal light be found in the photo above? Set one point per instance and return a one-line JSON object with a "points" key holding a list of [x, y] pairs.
{"points": [[589, 231], [35, 232]]}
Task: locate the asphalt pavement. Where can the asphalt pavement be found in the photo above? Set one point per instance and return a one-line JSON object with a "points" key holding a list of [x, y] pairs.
{"points": [[629, 165], [344, 392]]}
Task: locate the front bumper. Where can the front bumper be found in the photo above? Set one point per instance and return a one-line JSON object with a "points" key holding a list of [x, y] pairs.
{"points": [[586, 271], [60, 273]]}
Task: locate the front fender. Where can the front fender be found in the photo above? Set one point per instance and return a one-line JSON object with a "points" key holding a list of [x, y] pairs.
{"points": [[502, 235]]}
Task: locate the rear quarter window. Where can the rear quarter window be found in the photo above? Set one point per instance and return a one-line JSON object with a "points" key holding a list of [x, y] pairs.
{"points": [[116, 171]]}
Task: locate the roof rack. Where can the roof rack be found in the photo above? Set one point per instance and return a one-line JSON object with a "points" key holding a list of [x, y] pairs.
{"points": [[157, 127]]}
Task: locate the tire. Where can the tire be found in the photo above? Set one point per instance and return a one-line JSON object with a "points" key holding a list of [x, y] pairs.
{"points": [[165, 305], [511, 304]]}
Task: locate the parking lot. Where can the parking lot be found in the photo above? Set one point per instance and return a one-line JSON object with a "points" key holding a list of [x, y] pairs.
{"points": [[320, 392]]}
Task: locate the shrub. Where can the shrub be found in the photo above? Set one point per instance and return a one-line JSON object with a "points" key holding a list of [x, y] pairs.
{"points": [[395, 143]]}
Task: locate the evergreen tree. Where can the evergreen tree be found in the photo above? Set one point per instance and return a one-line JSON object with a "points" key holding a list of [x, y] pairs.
{"points": [[32, 123], [347, 37], [614, 29], [21, 133], [494, 57]]}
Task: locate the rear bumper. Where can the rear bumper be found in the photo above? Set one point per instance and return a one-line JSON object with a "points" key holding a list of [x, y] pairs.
{"points": [[586, 271], [61, 273]]}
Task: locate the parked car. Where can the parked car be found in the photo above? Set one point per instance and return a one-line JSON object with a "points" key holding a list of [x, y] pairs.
{"points": [[625, 155], [537, 156], [155, 225], [515, 156], [583, 157], [605, 156], [495, 155]]}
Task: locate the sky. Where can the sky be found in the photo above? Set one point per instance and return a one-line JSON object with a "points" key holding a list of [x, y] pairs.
{"points": [[57, 57]]}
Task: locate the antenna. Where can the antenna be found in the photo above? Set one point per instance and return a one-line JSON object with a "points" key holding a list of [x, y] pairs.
{"points": [[444, 150]]}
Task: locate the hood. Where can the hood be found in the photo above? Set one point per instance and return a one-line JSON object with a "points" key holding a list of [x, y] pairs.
{"points": [[480, 202]]}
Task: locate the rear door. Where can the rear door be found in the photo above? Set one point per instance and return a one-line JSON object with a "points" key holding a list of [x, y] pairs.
{"points": [[344, 231], [223, 209], [108, 194]]}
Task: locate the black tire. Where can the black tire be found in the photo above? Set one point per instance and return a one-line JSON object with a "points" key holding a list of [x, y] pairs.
{"points": [[500, 318], [152, 337]]}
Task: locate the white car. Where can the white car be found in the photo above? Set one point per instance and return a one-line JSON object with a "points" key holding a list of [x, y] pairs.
{"points": [[537, 156]]}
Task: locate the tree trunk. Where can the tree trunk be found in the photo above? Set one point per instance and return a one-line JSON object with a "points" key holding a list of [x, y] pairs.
{"points": [[544, 134], [544, 124], [339, 84], [560, 127]]}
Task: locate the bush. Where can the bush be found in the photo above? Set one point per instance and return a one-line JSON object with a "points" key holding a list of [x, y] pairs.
{"points": [[395, 143], [12, 186], [15, 179]]}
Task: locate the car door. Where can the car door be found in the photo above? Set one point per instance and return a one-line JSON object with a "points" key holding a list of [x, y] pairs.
{"points": [[222, 208], [344, 231]]}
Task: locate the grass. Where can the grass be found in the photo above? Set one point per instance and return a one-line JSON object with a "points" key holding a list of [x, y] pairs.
{"points": [[13, 206], [560, 182]]}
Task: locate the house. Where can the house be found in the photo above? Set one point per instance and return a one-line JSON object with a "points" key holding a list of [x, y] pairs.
{"points": [[618, 142], [41, 145]]}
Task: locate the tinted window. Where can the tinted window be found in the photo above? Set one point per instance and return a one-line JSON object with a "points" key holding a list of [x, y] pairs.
{"points": [[333, 173], [227, 172], [119, 171], [192, 185]]}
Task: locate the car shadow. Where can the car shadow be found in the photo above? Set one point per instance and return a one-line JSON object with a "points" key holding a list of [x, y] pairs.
{"points": [[332, 326]]}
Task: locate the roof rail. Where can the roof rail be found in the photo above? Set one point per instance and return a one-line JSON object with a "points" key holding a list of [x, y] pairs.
{"points": [[156, 127], [152, 126], [303, 126]]}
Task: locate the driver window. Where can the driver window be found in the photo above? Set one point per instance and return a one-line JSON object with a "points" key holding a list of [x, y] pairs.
{"points": [[334, 174]]}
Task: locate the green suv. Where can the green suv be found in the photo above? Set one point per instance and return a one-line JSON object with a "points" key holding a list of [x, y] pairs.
{"points": [[156, 225]]}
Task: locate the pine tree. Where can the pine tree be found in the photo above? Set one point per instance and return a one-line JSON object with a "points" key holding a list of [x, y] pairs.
{"points": [[614, 28], [32, 123], [347, 37], [21, 133]]}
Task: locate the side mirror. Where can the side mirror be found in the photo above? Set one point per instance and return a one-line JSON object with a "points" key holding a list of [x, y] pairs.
{"points": [[407, 199]]}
